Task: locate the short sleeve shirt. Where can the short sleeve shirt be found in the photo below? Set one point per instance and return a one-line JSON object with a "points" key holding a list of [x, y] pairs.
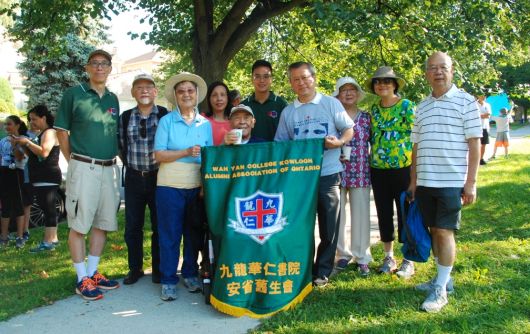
{"points": [[267, 115], [391, 128], [92, 121], [173, 133], [441, 130], [321, 117]]}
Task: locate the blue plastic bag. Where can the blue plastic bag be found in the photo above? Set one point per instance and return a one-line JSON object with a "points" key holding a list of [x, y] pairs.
{"points": [[415, 237]]}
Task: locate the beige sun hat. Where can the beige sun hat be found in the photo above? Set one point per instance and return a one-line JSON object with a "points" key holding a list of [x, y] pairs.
{"points": [[384, 72], [185, 76], [349, 80]]}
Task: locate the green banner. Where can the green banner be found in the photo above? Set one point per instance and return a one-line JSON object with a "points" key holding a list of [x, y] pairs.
{"points": [[261, 203]]}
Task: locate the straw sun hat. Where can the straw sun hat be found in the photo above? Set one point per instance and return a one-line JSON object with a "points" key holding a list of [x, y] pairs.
{"points": [[381, 73], [185, 76]]}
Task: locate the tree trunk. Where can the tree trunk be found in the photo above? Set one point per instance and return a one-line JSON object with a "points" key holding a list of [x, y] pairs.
{"points": [[214, 48]]}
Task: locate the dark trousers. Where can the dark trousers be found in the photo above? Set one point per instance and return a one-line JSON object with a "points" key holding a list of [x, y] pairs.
{"points": [[139, 192], [387, 185], [328, 210], [46, 199]]}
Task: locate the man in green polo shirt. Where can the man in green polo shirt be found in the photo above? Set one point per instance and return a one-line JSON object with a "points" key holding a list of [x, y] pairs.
{"points": [[87, 126], [266, 105]]}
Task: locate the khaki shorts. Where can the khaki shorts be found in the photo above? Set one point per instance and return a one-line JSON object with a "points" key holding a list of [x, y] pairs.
{"points": [[92, 196]]}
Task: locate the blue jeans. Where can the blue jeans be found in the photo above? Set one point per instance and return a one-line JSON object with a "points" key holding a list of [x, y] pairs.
{"points": [[171, 206], [139, 192]]}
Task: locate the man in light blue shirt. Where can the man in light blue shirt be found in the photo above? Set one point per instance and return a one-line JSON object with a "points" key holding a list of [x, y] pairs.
{"points": [[314, 115]]}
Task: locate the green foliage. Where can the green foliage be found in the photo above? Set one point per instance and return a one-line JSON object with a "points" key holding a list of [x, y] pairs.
{"points": [[341, 37], [5, 20], [6, 93], [41, 22], [7, 98], [47, 75]]}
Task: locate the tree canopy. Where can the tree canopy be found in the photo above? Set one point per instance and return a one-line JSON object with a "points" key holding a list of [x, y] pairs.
{"points": [[221, 39]]}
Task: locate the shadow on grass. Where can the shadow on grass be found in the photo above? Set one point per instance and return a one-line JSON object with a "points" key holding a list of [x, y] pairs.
{"points": [[396, 310]]}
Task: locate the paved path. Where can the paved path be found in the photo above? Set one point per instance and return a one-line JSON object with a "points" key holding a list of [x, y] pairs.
{"points": [[136, 309]]}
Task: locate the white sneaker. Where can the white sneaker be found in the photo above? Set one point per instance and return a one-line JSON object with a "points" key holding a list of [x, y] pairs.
{"points": [[435, 301], [428, 286], [406, 270]]}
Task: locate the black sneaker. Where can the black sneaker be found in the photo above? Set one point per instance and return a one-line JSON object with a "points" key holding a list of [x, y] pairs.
{"points": [[483, 162]]}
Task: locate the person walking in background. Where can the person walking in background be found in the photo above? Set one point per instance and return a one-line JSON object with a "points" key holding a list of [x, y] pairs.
{"points": [[136, 140], [503, 131], [485, 113], [355, 184], [314, 115], [179, 180], [11, 178], [87, 124], [266, 105], [444, 168], [392, 119], [44, 172], [218, 110]]}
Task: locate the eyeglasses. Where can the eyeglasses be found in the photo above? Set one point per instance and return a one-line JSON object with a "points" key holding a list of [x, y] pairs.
{"points": [[142, 88], [259, 77], [300, 79], [383, 81], [184, 91], [96, 64], [143, 128], [443, 68]]}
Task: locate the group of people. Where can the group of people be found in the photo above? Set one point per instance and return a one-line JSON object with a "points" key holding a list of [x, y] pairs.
{"points": [[30, 168], [502, 121], [432, 151]]}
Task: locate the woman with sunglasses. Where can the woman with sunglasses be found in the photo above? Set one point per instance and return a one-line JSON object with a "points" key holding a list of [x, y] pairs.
{"points": [[44, 172], [12, 161], [391, 156]]}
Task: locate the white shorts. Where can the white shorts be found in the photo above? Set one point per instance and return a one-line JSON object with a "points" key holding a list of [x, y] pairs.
{"points": [[92, 196]]}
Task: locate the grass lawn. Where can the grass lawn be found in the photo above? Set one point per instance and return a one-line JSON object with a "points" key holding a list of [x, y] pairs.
{"points": [[491, 274], [31, 280]]}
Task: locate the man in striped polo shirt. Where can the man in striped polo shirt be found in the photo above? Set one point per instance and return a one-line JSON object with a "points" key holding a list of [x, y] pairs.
{"points": [[445, 158]]}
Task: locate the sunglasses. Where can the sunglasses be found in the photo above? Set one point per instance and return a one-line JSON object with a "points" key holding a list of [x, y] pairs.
{"points": [[143, 128], [383, 81]]}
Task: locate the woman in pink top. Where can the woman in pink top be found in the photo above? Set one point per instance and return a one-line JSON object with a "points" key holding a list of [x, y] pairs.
{"points": [[218, 110]]}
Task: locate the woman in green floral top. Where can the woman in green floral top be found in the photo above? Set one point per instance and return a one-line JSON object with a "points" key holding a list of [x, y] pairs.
{"points": [[392, 121]]}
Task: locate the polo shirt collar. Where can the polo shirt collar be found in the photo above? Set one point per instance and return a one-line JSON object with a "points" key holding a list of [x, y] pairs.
{"points": [[449, 94], [177, 117], [86, 87], [315, 100]]}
